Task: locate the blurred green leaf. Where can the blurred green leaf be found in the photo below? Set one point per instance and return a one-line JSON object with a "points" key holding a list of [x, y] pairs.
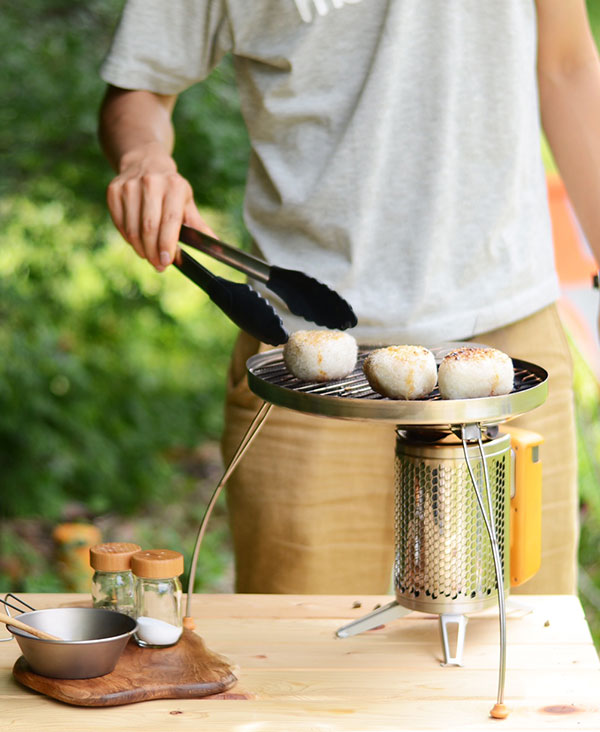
{"points": [[106, 365]]}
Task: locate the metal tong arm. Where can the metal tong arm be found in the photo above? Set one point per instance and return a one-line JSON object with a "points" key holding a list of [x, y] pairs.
{"points": [[214, 286], [225, 253], [242, 305]]}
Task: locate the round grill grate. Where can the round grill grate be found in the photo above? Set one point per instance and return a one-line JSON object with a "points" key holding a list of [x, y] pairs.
{"points": [[353, 398]]}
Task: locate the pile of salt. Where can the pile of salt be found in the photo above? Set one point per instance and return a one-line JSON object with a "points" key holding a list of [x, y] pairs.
{"points": [[156, 632]]}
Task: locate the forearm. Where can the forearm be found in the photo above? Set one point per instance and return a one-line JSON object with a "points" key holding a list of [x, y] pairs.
{"points": [[569, 88], [135, 124], [148, 200], [570, 108]]}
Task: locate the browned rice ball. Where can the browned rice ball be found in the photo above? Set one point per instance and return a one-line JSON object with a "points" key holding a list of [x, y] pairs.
{"points": [[470, 372], [320, 355], [401, 372]]}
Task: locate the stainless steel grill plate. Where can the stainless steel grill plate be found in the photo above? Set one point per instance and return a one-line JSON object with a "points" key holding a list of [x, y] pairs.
{"points": [[353, 398]]}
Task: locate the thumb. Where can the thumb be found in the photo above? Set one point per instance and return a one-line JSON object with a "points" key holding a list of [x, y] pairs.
{"points": [[192, 217]]}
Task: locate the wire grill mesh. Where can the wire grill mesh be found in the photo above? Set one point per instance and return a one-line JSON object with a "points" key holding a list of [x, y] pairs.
{"points": [[356, 386], [353, 398]]}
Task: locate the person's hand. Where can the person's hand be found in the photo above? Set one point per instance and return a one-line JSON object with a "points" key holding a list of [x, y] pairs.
{"points": [[148, 201], [598, 324]]}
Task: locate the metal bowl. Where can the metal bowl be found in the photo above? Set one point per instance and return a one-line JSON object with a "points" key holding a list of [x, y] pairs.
{"points": [[93, 641]]}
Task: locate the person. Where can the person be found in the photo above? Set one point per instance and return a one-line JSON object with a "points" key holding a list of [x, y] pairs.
{"points": [[395, 155]]}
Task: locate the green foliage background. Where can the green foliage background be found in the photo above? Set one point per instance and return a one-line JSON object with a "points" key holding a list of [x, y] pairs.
{"points": [[109, 372], [105, 365]]}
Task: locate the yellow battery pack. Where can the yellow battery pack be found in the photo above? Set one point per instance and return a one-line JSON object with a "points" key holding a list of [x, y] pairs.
{"points": [[525, 504]]}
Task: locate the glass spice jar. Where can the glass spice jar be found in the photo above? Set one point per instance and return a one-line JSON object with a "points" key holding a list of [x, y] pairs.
{"points": [[158, 597], [113, 586]]}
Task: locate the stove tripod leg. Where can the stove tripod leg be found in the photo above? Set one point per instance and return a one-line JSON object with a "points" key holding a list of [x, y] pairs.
{"points": [[516, 606], [382, 615], [460, 621], [250, 434], [471, 432]]}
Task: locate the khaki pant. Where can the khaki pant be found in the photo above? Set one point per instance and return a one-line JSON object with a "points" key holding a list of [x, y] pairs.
{"points": [[311, 502]]}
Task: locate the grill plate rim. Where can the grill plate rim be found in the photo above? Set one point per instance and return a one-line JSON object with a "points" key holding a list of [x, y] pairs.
{"points": [[306, 397]]}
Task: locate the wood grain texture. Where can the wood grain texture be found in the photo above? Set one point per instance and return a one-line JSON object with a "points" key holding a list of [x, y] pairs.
{"points": [[296, 676], [185, 670]]}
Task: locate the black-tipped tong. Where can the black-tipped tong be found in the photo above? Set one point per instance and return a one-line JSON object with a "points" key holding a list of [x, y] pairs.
{"points": [[304, 295]]}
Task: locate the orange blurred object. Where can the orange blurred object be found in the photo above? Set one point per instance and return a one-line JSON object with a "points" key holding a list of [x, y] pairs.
{"points": [[574, 263], [73, 542]]}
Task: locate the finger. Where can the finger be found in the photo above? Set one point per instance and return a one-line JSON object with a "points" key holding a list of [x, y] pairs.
{"points": [[116, 207], [177, 197], [130, 200], [153, 189], [193, 218]]}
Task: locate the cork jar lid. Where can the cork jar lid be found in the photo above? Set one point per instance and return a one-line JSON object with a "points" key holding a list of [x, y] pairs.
{"points": [[113, 556], [157, 563]]}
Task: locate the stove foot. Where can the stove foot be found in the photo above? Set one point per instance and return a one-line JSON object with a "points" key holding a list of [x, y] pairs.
{"points": [[461, 625], [382, 615]]}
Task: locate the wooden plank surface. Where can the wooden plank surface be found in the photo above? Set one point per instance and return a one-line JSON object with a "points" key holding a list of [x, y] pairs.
{"points": [[294, 674]]}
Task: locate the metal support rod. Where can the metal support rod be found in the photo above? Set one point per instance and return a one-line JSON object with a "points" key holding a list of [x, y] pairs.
{"points": [[247, 439], [491, 529]]}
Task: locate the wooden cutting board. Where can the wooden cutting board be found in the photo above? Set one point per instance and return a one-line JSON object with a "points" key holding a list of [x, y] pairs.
{"points": [[185, 670]]}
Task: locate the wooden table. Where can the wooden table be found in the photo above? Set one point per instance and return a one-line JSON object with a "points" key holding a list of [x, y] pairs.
{"points": [[294, 674]]}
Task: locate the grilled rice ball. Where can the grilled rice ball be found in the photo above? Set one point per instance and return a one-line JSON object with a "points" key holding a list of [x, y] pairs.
{"points": [[401, 372], [320, 355], [471, 372]]}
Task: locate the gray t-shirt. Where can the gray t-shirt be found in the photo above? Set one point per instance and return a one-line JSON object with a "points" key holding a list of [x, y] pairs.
{"points": [[395, 148]]}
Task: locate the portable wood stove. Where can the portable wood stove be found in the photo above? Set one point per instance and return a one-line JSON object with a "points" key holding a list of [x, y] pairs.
{"points": [[453, 486]]}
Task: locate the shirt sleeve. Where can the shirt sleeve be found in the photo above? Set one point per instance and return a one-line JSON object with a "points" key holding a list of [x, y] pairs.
{"points": [[166, 46]]}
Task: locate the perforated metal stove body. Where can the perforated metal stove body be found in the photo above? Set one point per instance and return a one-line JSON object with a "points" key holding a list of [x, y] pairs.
{"points": [[443, 561]]}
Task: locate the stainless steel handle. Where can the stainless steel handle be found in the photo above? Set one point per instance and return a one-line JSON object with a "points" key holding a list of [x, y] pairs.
{"points": [[232, 256]]}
